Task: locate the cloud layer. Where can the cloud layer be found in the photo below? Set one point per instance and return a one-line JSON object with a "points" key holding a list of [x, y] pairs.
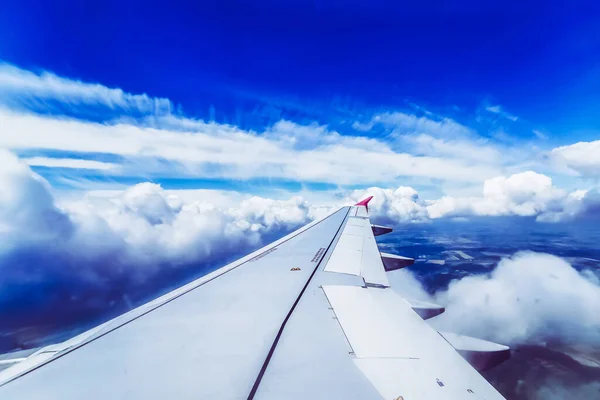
{"points": [[142, 136], [286, 151], [583, 158], [526, 194], [67, 262], [528, 298], [19, 87]]}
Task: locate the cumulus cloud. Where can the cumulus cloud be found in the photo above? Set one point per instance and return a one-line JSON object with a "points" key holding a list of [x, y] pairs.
{"points": [[526, 194], [27, 210], [583, 158], [75, 259], [528, 298], [395, 206], [157, 226]]}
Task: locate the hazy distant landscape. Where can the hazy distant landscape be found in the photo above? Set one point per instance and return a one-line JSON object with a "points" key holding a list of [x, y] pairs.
{"points": [[540, 367]]}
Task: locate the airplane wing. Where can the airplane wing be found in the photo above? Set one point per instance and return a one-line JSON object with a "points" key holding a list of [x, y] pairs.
{"points": [[310, 316]]}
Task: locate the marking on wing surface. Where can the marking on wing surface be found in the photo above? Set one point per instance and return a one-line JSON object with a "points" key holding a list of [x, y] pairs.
{"points": [[263, 254], [318, 255]]}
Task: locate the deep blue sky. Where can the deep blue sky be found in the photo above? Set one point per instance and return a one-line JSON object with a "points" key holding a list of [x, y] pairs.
{"points": [[258, 61]]}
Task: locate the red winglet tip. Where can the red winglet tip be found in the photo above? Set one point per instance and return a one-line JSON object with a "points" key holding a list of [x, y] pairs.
{"points": [[365, 202]]}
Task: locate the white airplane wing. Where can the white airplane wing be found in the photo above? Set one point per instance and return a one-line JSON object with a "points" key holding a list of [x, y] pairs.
{"points": [[310, 316]]}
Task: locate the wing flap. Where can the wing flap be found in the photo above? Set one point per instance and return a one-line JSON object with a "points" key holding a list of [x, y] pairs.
{"points": [[397, 378], [372, 320], [398, 352]]}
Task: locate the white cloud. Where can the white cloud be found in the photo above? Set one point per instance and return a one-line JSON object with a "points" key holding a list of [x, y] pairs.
{"points": [[222, 151], [77, 258], [581, 157], [523, 194], [497, 109], [27, 210], [402, 123], [447, 153], [146, 225], [540, 135], [494, 109], [158, 226], [530, 297], [478, 150], [21, 86], [69, 163], [526, 194], [401, 205], [155, 143], [143, 224], [123, 238]]}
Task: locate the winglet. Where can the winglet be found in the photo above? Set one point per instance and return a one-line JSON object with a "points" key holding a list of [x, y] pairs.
{"points": [[365, 202]]}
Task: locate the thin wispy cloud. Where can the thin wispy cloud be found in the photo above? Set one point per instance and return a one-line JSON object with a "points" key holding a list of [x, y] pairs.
{"points": [[497, 109], [19, 87], [539, 134], [73, 163], [403, 123], [150, 141], [228, 152]]}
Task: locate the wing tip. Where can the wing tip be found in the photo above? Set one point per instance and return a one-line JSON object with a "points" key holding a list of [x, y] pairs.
{"points": [[364, 202]]}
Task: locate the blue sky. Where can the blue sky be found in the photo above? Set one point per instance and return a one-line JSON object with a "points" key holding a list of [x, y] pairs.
{"points": [[466, 91], [323, 60]]}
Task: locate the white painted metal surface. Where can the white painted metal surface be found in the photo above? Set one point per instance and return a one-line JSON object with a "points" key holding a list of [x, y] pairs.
{"points": [[398, 352], [209, 341], [373, 320], [312, 359], [361, 211], [356, 253], [372, 269], [347, 255], [426, 379]]}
